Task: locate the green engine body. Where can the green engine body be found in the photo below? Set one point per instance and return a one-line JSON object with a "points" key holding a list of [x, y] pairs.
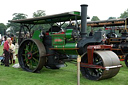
{"points": [[64, 43]]}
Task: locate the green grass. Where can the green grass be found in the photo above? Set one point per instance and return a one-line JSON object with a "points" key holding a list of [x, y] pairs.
{"points": [[64, 76], [1, 50]]}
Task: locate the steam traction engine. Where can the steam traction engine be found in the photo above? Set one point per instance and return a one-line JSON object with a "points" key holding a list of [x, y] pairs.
{"points": [[119, 43], [50, 48]]}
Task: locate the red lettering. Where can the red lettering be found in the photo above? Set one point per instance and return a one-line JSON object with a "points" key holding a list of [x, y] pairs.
{"points": [[58, 40]]}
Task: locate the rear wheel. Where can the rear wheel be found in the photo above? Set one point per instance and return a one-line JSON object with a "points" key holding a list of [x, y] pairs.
{"points": [[31, 55], [101, 58]]}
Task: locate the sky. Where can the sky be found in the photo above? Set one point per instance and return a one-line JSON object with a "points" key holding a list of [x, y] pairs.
{"points": [[101, 8]]}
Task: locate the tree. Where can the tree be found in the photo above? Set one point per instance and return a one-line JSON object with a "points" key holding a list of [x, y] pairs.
{"points": [[95, 18], [112, 18], [15, 26], [19, 16], [2, 28], [125, 14], [39, 13]]}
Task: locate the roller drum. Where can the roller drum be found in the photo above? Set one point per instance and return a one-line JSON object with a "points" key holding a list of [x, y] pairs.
{"points": [[102, 58], [109, 59]]}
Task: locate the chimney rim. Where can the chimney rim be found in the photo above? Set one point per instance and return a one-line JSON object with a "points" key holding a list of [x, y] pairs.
{"points": [[83, 5]]}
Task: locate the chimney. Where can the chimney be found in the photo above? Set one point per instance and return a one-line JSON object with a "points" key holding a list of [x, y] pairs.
{"points": [[83, 20]]}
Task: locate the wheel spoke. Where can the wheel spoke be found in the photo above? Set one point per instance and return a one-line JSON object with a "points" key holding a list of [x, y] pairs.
{"points": [[26, 49], [35, 52], [31, 66], [99, 62], [35, 59], [26, 59], [31, 47]]}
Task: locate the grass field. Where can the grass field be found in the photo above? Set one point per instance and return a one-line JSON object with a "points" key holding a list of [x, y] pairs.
{"points": [[64, 76]]}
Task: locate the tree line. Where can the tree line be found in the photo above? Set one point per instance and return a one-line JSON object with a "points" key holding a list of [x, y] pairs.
{"points": [[14, 27]]}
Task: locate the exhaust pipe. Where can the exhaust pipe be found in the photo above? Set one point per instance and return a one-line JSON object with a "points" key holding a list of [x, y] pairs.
{"points": [[83, 20]]}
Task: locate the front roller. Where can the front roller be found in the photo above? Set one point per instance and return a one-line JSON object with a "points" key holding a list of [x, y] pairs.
{"points": [[31, 55], [106, 64]]}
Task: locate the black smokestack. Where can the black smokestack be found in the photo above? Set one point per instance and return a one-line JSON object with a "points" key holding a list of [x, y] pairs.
{"points": [[83, 19]]}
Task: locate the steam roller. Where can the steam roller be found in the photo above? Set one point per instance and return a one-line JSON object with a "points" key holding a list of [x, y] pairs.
{"points": [[105, 64], [50, 48]]}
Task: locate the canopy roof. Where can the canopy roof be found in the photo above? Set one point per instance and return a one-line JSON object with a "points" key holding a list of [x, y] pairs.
{"points": [[50, 18], [111, 22]]}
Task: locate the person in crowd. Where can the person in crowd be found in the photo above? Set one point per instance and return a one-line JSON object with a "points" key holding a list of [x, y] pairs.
{"points": [[3, 40], [12, 52], [14, 40], [6, 52], [91, 33]]}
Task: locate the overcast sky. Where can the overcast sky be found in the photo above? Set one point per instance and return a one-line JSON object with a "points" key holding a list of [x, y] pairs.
{"points": [[101, 8]]}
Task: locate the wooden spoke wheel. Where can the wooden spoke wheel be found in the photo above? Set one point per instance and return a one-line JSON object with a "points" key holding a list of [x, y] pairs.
{"points": [[101, 58], [31, 55]]}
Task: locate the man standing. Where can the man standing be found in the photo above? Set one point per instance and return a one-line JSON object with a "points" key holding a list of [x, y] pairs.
{"points": [[6, 52]]}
